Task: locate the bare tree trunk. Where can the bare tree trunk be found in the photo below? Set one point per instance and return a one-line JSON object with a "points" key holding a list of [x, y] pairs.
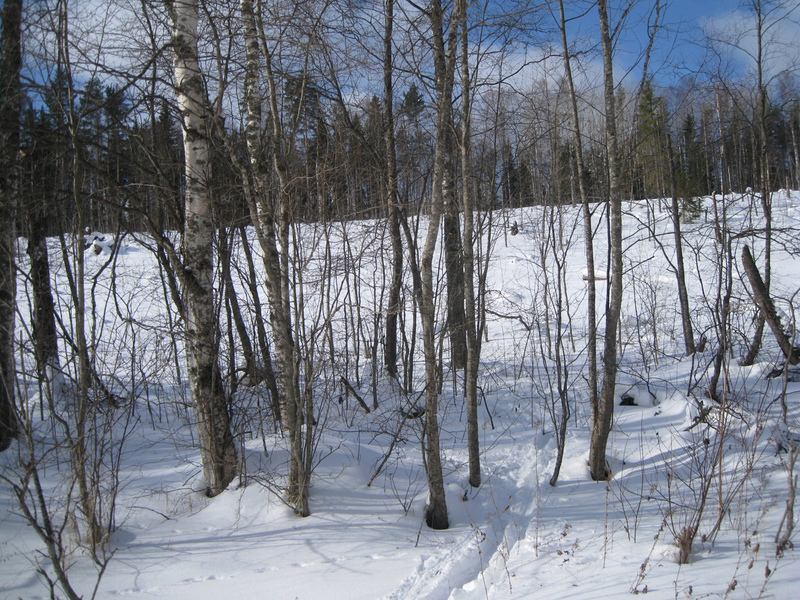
{"points": [[468, 195], [271, 231], [444, 64], [251, 370], [555, 240], [722, 161], [793, 125], [393, 301], [764, 185], [10, 97], [722, 302], [261, 332], [202, 330], [764, 302], [45, 338], [680, 271], [453, 257], [78, 446], [601, 424], [77, 435], [591, 299]]}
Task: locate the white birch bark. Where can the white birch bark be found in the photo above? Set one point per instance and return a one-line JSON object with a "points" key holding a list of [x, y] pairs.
{"points": [[273, 233], [208, 395], [444, 61]]}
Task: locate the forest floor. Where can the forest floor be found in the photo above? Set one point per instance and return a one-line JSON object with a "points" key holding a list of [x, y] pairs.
{"points": [[515, 536]]}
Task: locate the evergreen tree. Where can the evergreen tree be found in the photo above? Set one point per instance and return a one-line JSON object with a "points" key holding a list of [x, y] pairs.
{"points": [[651, 156]]}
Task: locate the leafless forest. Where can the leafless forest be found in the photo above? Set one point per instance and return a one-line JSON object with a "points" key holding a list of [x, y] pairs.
{"points": [[322, 185]]}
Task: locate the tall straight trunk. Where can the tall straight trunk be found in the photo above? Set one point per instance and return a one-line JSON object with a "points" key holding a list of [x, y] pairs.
{"points": [[393, 300], [680, 271], [273, 233], [251, 370], [722, 302], [10, 97], [453, 256], [444, 65], [555, 240], [78, 447], [722, 167], [261, 332], [588, 234], [601, 424], [722, 307], [45, 339], [78, 433], [764, 183], [468, 195], [793, 125], [214, 435]]}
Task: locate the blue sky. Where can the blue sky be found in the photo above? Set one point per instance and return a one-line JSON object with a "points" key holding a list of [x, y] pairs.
{"points": [[680, 49], [679, 42], [692, 10]]}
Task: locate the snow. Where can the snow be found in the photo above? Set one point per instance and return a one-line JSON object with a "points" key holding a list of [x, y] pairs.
{"points": [[515, 536]]}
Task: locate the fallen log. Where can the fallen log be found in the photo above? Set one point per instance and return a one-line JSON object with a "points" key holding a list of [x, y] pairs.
{"points": [[349, 388], [767, 306]]}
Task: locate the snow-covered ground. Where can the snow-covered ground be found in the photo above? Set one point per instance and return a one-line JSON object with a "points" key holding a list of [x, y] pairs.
{"points": [[514, 537]]}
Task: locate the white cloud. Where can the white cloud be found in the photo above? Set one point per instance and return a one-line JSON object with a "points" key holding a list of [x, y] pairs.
{"points": [[733, 37]]}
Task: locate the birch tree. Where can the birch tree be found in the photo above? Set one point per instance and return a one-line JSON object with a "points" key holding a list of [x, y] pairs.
{"points": [[272, 229], [205, 383], [444, 57]]}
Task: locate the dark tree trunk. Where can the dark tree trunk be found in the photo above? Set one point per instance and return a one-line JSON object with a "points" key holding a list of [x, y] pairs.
{"points": [[444, 64], [393, 301], [762, 160], [453, 256], [722, 304], [680, 271], [764, 302], [601, 425], [261, 331], [45, 339], [470, 308], [10, 97], [252, 371]]}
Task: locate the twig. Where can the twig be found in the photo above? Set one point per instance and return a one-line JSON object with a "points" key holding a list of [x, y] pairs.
{"points": [[515, 317], [388, 452]]}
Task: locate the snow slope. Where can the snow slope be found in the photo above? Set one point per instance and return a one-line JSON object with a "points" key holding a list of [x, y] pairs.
{"points": [[515, 536]]}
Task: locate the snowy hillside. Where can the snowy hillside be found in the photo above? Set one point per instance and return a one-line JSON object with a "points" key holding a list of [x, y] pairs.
{"points": [[678, 460]]}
